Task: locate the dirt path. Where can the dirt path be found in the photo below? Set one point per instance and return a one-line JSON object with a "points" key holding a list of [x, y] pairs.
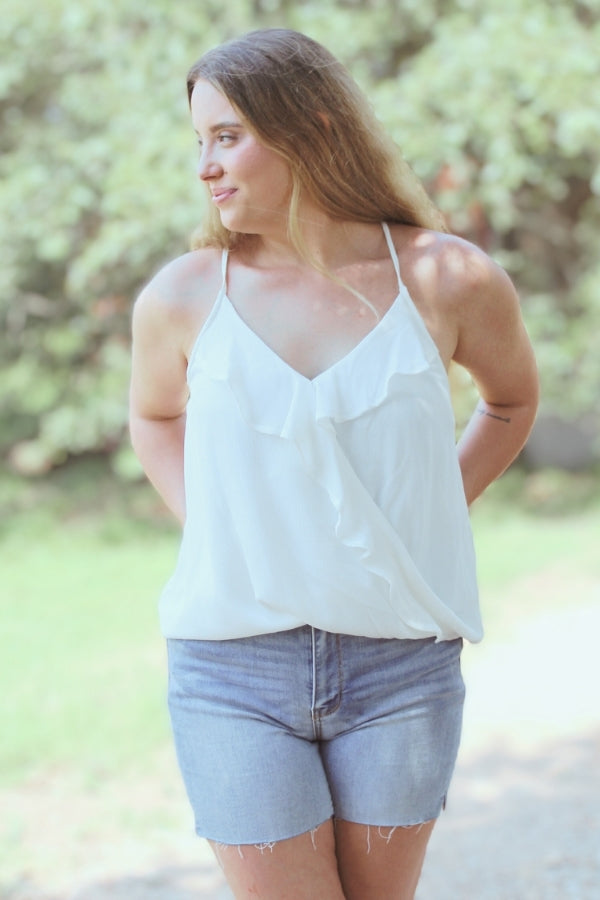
{"points": [[523, 821]]}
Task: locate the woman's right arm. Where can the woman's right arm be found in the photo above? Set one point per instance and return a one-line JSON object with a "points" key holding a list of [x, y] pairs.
{"points": [[158, 395]]}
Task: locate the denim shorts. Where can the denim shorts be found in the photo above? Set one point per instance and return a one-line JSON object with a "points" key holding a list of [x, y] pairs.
{"points": [[277, 733]]}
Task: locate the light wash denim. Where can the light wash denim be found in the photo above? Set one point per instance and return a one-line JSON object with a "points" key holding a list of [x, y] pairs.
{"points": [[277, 733]]}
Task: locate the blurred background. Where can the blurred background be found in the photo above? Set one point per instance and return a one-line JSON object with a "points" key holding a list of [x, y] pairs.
{"points": [[496, 105]]}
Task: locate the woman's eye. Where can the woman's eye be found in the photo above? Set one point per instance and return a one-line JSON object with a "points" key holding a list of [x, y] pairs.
{"points": [[224, 138]]}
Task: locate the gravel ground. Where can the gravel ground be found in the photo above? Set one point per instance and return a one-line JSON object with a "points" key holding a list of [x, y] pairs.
{"points": [[523, 819]]}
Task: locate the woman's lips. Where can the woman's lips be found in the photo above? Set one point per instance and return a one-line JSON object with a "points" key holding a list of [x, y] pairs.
{"points": [[223, 194]]}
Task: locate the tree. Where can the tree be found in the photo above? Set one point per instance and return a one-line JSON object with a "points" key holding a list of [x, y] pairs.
{"points": [[495, 107], [504, 120]]}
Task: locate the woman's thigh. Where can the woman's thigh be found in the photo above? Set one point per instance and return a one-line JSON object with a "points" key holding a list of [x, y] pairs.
{"points": [[337, 861], [377, 863], [301, 868]]}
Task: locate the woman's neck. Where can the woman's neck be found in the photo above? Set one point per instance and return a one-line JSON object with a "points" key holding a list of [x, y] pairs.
{"points": [[329, 244]]}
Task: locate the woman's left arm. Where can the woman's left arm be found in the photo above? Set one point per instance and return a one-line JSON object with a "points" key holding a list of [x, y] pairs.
{"points": [[493, 345]]}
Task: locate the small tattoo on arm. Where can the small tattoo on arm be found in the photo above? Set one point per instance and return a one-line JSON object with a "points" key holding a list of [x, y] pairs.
{"points": [[484, 412]]}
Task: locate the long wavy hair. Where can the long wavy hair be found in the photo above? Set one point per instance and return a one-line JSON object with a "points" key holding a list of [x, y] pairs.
{"points": [[302, 103]]}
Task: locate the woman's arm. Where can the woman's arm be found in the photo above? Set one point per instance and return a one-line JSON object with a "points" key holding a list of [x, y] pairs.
{"points": [[492, 344], [493, 438], [158, 396]]}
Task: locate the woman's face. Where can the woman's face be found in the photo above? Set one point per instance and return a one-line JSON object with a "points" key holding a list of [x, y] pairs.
{"points": [[249, 183]]}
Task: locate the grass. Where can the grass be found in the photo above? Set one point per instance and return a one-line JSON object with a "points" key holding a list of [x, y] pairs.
{"points": [[82, 567], [514, 543], [81, 651], [83, 668], [535, 531]]}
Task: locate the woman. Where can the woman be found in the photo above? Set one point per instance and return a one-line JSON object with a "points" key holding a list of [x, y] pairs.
{"points": [[290, 403]]}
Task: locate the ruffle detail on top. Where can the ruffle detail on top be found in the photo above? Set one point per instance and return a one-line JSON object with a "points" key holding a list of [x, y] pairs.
{"points": [[274, 399], [394, 361]]}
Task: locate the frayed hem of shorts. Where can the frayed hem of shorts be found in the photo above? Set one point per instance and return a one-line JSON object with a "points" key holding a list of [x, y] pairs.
{"points": [[417, 822], [386, 832], [261, 846], [382, 832]]}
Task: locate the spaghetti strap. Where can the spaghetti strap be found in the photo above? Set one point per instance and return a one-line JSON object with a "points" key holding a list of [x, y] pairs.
{"points": [[404, 295], [393, 254], [213, 312], [224, 258]]}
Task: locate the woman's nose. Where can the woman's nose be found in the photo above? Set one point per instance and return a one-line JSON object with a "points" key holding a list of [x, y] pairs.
{"points": [[208, 167]]}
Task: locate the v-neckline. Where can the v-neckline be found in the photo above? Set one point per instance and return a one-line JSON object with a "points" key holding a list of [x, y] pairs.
{"points": [[329, 369]]}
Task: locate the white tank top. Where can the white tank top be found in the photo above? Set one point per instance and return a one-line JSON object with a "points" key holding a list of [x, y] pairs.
{"points": [[335, 502]]}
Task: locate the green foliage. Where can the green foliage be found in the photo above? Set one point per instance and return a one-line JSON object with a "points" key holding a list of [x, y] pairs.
{"points": [[495, 105], [500, 112]]}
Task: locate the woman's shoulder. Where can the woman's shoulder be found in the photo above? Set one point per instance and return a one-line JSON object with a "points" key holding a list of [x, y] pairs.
{"points": [[445, 267], [190, 280], [178, 299], [453, 283], [442, 254]]}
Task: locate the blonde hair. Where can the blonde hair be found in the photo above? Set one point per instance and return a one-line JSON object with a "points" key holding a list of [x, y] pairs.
{"points": [[302, 103]]}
